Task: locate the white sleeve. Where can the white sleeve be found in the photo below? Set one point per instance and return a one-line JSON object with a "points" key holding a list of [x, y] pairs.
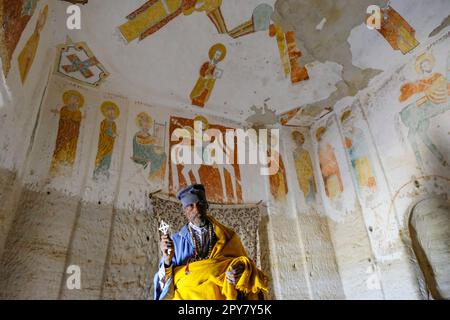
{"points": [[164, 275]]}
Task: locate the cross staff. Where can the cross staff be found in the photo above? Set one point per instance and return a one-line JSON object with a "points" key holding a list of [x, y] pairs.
{"points": [[164, 228]]}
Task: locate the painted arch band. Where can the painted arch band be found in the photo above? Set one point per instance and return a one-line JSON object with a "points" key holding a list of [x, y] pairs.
{"points": [[210, 147]]}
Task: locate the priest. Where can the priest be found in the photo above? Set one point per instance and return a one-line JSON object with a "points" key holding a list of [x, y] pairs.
{"points": [[205, 260]]}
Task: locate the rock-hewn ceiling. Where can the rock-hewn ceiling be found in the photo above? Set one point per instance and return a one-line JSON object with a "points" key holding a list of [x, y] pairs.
{"points": [[232, 57]]}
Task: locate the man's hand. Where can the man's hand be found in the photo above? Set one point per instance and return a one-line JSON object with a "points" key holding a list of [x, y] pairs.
{"points": [[235, 274], [167, 249]]}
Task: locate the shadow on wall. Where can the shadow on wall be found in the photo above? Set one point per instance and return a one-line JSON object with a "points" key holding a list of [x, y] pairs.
{"points": [[429, 228]]}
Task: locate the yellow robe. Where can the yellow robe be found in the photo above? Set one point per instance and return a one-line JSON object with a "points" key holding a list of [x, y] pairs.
{"points": [[151, 17], [26, 56], [67, 139], [207, 280], [204, 86]]}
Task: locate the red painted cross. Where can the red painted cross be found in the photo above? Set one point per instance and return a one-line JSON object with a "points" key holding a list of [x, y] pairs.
{"points": [[82, 66]]}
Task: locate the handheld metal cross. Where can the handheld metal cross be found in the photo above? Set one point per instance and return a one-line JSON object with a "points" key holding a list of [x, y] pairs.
{"points": [[164, 228]]}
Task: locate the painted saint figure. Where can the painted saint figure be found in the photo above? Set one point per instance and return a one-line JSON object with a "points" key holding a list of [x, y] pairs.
{"points": [[107, 137], [289, 53], [355, 144], [329, 167], [208, 75], [397, 31], [304, 168], [146, 151], [434, 89], [70, 118], [260, 21], [26, 56], [155, 14], [277, 181]]}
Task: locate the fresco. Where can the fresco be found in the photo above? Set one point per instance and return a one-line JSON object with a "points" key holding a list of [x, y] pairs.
{"points": [[209, 73], [107, 137], [397, 31], [14, 17], [329, 167], [155, 14], [229, 190], [278, 181], [76, 62], [26, 56], [287, 47], [304, 168], [149, 149], [260, 21], [70, 118], [357, 149], [289, 53], [429, 98]]}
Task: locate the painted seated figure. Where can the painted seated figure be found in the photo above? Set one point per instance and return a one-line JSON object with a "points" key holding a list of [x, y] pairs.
{"points": [[205, 260]]}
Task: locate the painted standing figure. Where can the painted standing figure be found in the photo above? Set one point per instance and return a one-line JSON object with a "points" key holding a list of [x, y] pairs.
{"points": [[146, 150], [107, 137], [435, 89], [155, 14], [358, 152], [329, 166], [70, 118], [304, 168], [208, 75]]}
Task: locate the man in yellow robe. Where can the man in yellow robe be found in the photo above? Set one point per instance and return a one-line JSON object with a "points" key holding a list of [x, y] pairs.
{"points": [[205, 260]]}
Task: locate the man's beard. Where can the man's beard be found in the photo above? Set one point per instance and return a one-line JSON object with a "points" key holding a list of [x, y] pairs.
{"points": [[199, 220]]}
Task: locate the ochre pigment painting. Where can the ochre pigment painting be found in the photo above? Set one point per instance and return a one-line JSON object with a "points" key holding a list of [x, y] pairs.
{"points": [[289, 53], [209, 73], [397, 31], [358, 152], [304, 168], [278, 182], [106, 139], [329, 167], [78, 63], [428, 98], [26, 56], [259, 21], [149, 149], [223, 182], [14, 17], [70, 118], [155, 14]]}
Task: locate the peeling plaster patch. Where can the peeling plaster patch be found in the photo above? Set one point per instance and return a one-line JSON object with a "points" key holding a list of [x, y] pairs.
{"points": [[362, 43], [303, 16], [262, 116]]}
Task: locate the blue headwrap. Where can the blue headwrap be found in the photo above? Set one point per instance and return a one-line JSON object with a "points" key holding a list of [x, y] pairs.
{"points": [[192, 194]]}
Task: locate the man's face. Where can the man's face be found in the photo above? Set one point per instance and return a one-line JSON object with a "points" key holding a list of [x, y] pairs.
{"points": [[192, 213], [73, 101]]}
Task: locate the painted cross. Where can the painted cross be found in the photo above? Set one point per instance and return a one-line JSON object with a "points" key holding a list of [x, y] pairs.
{"points": [[82, 66]]}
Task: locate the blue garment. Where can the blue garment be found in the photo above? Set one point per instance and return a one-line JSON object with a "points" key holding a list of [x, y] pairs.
{"points": [[145, 154], [184, 249]]}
